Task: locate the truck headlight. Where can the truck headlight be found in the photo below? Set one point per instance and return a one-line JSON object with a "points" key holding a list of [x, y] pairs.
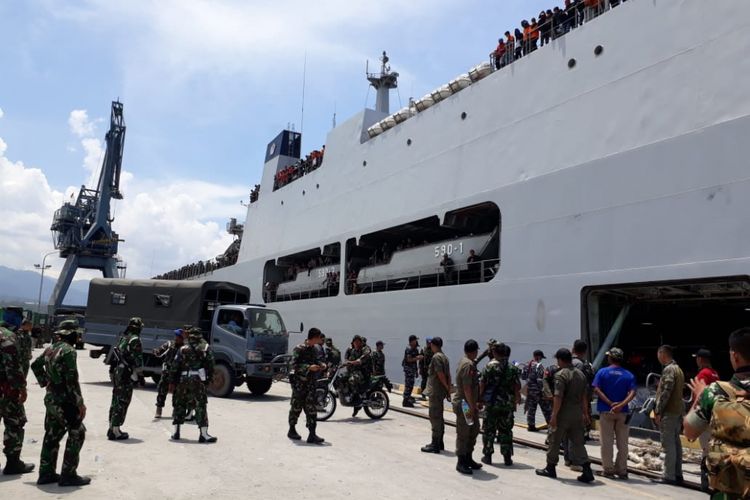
{"points": [[254, 356]]}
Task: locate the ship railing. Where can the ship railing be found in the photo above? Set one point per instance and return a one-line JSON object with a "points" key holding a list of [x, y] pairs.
{"points": [[322, 290], [575, 16], [430, 276]]}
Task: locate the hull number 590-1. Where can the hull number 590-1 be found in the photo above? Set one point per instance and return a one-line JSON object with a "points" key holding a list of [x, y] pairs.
{"points": [[448, 249]]}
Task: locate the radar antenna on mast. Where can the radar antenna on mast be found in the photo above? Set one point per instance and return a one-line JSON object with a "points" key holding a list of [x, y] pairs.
{"points": [[383, 83]]}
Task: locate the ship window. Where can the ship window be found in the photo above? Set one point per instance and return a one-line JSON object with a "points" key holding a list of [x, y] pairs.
{"points": [[118, 298], [309, 274], [232, 321], [462, 249]]}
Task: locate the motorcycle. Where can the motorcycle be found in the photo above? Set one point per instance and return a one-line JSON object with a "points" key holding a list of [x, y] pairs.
{"points": [[373, 399]]}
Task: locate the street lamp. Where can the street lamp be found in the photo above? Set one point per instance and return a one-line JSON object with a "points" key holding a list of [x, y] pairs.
{"points": [[43, 267]]}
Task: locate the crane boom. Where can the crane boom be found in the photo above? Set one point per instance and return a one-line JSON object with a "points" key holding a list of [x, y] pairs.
{"points": [[83, 231]]}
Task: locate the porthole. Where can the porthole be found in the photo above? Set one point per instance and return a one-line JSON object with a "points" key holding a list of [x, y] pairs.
{"points": [[408, 142], [598, 50], [303, 192], [571, 63], [364, 163], [463, 115], [317, 186]]}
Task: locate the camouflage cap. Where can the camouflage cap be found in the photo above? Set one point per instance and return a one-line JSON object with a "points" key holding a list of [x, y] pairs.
{"points": [[195, 333], [68, 324], [136, 322], [66, 332], [616, 353]]}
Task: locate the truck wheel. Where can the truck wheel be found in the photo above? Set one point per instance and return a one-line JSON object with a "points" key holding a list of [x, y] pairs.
{"points": [[222, 383], [259, 386]]}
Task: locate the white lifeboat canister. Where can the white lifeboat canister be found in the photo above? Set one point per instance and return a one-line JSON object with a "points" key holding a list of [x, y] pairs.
{"points": [[376, 129], [460, 83], [390, 121], [480, 71], [424, 103], [441, 93], [385, 125], [402, 114]]}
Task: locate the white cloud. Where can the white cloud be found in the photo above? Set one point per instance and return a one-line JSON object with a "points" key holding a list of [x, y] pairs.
{"points": [[2, 113], [94, 149], [79, 123], [164, 224]]}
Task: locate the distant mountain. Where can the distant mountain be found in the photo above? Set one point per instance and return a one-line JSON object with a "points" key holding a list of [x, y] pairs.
{"points": [[19, 287]]}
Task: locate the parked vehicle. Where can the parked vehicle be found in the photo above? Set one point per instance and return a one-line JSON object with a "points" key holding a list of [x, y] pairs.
{"points": [[373, 399], [249, 341]]}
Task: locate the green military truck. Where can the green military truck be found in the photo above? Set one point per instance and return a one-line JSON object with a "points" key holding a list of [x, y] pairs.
{"points": [[249, 341]]}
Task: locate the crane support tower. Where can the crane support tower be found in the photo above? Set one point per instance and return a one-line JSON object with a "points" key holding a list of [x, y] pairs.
{"points": [[82, 232]]}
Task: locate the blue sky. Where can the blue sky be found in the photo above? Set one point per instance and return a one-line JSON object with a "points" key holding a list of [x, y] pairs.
{"points": [[205, 85]]}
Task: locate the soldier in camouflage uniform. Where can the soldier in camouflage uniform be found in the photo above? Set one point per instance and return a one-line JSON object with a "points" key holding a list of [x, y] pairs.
{"points": [[305, 367], [533, 373], [356, 358], [722, 408], [167, 352], [378, 364], [333, 357], [127, 362], [12, 398], [190, 373], [25, 345], [56, 370], [580, 348], [500, 389], [424, 366], [411, 358]]}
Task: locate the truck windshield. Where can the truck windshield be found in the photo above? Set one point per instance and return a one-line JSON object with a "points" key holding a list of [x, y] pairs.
{"points": [[265, 322]]}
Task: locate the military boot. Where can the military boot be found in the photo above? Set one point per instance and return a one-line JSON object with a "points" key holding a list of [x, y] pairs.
{"points": [[15, 465], [442, 444], [507, 459], [175, 433], [158, 412], [548, 471], [471, 463], [588, 475], [205, 437], [48, 478], [292, 434], [73, 480], [487, 459], [462, 466], [115, 434], [433, 447], [314, 438], [407, 403]]}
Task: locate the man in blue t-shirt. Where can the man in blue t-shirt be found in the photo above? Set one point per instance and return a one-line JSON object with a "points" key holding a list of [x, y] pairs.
{"points": [[615, 388]]}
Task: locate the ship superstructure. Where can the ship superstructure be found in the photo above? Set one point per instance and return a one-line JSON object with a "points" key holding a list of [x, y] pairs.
{"points": [[601, 185]]}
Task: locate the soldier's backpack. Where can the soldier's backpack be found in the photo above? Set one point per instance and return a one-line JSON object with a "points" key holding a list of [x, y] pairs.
{"points": [[728, 459]]}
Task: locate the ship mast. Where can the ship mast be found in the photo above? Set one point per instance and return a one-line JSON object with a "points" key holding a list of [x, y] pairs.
{"points": [[383, 83]]}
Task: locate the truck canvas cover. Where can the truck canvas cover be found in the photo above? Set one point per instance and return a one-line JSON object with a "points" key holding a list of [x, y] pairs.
{"points": [[160, 303]]}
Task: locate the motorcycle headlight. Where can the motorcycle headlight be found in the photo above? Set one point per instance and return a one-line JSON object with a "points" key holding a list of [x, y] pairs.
{"points": [[254, 356]]}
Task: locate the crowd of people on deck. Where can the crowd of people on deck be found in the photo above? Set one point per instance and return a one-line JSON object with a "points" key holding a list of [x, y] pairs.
{"points": [[254, 193], [547, 26], [203, 267], [303, 166]]}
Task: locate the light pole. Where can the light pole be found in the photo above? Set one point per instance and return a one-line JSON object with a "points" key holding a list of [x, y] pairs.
{"points": [[43, 267]]}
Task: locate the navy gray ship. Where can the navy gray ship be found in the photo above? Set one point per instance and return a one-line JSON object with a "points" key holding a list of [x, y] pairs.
{"points": [[601, 185]]}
